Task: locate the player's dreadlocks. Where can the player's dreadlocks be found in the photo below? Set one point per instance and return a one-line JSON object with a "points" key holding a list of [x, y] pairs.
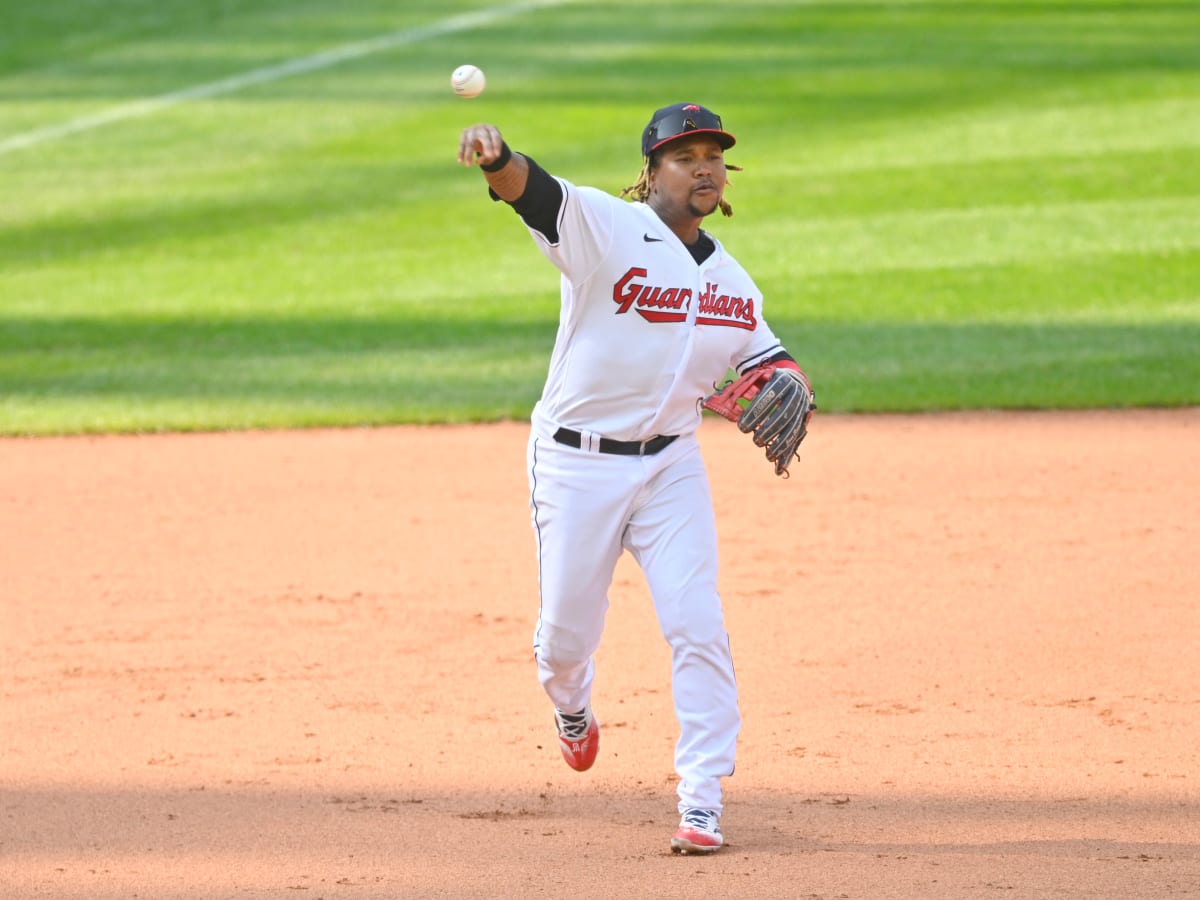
{"points": [[640, 189]]}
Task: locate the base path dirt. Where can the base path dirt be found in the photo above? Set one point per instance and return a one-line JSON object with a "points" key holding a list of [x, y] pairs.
{"points": [[298, 665]]}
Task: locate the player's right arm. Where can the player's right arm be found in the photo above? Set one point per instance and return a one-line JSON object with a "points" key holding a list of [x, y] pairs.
{"points": [[514, 178]]}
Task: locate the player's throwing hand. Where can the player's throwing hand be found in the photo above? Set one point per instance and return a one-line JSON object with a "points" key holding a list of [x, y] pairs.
{"points": [[480, 142]]}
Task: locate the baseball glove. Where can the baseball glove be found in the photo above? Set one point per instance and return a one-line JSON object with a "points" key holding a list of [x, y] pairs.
{"points": [[772, 403]]}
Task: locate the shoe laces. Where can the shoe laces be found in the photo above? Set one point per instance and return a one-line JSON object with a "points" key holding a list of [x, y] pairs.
{"points": [[703, 819], [572, 726]]}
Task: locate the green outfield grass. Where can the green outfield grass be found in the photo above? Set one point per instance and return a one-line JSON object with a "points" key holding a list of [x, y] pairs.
{"points": [[946, 205]]}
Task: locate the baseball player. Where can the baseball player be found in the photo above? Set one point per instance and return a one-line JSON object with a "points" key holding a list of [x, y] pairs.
{"points": [[654, 312]]}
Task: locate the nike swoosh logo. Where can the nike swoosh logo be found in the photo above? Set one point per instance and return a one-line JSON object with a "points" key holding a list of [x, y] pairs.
{"points": [[651, 240]]}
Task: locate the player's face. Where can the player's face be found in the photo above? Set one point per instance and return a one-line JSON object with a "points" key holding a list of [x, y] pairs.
{"points": [[690, 176]]}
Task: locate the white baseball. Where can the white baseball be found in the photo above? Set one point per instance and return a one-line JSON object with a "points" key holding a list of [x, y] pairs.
{"points": [[468, 81]]}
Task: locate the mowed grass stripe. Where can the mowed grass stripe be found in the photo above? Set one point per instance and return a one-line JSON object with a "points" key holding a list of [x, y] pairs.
{"points": [[984, 236], [999, 128], [230, 368], [288, 68], [1106, 288]]}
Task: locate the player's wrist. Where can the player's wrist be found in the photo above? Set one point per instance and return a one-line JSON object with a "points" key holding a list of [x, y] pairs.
{"points": [[500, 161]]}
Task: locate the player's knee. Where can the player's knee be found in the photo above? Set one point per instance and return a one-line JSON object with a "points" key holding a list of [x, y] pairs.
{"points": [[695, 622], [706, 644], [560, 647]]}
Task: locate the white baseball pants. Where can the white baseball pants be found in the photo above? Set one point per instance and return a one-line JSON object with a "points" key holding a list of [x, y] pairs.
{"points": [[588, 507]]}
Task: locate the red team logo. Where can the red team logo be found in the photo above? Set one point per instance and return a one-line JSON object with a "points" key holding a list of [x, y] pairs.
{"points": [[655, 303]]}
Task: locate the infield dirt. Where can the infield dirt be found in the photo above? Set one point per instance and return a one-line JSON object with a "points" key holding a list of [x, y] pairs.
{"points": [[298, 665]]}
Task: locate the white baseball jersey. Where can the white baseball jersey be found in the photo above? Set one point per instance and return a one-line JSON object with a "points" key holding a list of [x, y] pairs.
{"points": [[644, 331], [643, 334]]}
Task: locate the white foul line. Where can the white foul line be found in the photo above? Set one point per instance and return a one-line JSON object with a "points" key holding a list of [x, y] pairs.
{"points": [[299, 66]]}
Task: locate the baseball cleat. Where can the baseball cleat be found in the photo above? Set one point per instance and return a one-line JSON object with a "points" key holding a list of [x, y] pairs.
{"points": [[699, 832], [578, 737]]}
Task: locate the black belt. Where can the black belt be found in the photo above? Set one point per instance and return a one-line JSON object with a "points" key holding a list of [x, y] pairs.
{"points": [[621, 448]]}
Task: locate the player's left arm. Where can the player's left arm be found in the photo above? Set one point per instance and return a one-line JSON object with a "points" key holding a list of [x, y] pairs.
{"points": [[770, 399], [774, 355], [782, 360]]}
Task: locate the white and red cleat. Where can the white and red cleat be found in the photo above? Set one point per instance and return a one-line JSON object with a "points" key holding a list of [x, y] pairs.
{"points": [[578, 738], [699, 832]]}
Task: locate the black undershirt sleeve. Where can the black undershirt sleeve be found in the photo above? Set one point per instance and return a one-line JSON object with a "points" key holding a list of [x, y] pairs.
{"points": [[538, 207]]}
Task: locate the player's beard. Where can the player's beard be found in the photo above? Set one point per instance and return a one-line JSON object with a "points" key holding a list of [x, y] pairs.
{"points": [[695, 209], [697, 205]]}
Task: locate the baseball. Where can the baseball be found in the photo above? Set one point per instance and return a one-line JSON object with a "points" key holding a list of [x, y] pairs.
{"points": [[468, 81]]}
